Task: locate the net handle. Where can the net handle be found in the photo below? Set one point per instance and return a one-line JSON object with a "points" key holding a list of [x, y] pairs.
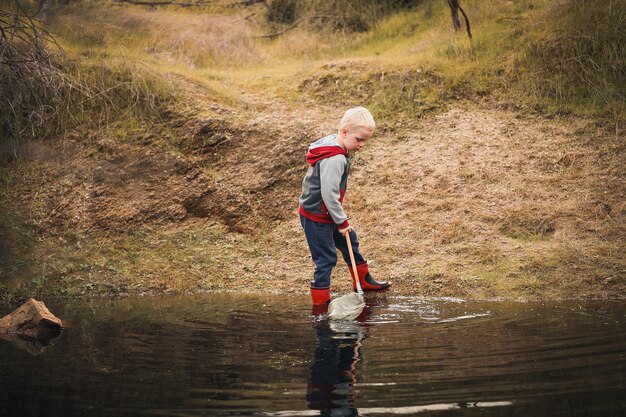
{"points": [[354, 270]]}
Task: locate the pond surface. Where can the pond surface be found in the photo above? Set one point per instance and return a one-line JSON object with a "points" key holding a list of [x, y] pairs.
{"points": [[226, 355]]}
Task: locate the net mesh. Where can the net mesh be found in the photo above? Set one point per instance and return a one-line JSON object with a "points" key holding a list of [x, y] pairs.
{"points": [[346, 307]]}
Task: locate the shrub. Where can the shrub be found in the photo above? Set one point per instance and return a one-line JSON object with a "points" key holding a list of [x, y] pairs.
{"points": [[281, 11], [42, 93], [27, 77]]}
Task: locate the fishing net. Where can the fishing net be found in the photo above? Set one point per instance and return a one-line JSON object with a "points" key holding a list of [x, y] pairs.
{"points": [[346, 307]]}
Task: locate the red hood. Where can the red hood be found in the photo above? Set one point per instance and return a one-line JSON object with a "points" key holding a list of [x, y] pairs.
{"points": [[322, 152]]}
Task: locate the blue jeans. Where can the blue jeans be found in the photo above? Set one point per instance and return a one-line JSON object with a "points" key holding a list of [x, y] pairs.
{"points": [[324, 239]]}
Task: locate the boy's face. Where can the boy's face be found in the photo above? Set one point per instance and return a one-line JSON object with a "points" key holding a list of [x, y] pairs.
{"points": [[356, 139]]}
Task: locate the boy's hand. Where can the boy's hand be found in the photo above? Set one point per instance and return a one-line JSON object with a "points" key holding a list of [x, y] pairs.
{"points": [[346, 230]]}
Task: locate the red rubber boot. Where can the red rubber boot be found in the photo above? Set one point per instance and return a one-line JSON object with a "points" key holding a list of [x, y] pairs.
{"points": [[320, 296], [365, 279]]}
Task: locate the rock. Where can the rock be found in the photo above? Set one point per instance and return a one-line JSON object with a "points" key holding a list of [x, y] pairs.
{"points": [[32, 321]]}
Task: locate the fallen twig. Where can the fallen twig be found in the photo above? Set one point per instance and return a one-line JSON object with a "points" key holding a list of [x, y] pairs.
{"points": [[164, 3], [294, 25]]}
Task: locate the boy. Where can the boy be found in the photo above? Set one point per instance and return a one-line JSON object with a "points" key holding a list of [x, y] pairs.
{"points": [[323, 219]]}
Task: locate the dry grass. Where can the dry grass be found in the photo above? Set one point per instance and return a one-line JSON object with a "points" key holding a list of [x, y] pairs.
{"points": [[198, 40]]}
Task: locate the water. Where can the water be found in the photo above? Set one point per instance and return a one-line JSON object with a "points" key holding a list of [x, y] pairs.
{"points": [[226, 355]]}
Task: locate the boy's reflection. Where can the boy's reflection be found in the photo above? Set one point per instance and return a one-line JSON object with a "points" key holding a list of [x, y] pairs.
{"points": [[331, 386]]}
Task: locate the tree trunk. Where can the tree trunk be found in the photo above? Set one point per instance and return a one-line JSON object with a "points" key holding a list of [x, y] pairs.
{"points": [[456, 21]]}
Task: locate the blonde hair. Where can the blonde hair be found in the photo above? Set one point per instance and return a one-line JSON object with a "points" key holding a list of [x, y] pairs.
{"points": [[356, 118]]}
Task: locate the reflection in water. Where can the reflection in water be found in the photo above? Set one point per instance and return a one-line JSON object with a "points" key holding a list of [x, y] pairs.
{"points": [[333, 373], [331, 388], [32, 346], [44, 334]]}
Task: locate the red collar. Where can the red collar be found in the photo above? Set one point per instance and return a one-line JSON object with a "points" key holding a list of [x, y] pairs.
{"points": [[322, 152]]}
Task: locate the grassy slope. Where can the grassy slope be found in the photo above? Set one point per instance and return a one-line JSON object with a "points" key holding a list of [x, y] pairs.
{"points": [[467, 190]]}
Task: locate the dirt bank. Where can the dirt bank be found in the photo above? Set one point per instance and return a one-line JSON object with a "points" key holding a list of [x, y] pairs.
{"points": [[472, 201]]}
